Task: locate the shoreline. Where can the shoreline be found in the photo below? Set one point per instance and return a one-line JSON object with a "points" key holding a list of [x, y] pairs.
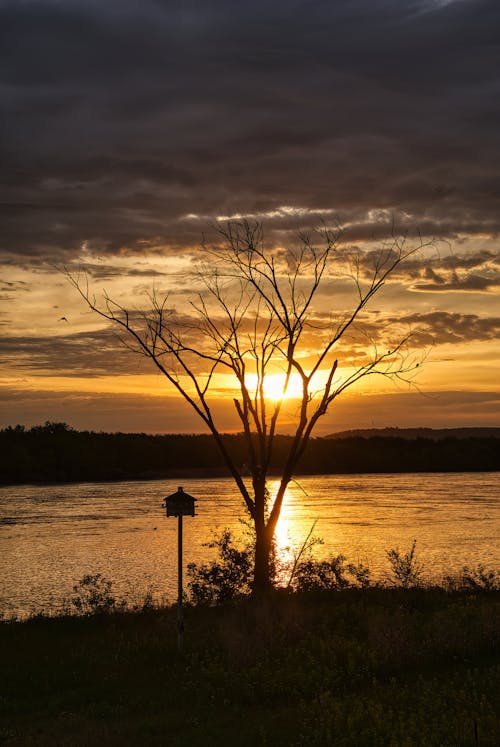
{"points": [[195, 474]]}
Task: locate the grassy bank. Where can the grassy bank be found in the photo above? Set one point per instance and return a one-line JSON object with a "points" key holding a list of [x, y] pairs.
{"points": [[373, 667]]}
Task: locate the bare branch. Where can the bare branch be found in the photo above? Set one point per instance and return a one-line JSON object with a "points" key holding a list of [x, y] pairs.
{"points": [[252, 320]]}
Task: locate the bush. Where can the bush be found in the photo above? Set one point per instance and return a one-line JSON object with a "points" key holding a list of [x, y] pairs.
{"points": [[93, 595], [361, 574], [313, 575], [321, 574], [406, 570], [225, 579], [479, 578]]}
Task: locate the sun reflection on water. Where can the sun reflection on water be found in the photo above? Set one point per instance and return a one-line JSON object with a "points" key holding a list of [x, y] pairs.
{"points": [[52, 536], [294, 531]]}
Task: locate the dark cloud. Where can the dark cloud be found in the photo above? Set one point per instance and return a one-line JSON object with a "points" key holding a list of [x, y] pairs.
{"points": [[9, 290], [122, 118], [103, 352], [471, 282], [13, 285], [433, 277], [476, 271], [457, 273], [83, 354], [105, 271], [422, 329], [440, 327]]}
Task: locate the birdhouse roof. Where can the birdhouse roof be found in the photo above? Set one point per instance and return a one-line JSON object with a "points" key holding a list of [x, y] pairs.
{"points": [[180, 495]]}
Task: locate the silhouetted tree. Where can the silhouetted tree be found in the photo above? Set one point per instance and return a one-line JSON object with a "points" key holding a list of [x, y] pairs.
{"points": [[256, 314]]}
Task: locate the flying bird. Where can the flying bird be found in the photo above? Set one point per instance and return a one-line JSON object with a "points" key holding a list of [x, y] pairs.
{"points": [[63, 319]]}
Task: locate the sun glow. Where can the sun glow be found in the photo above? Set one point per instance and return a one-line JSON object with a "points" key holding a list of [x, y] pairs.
{"points": [[274, 386]]}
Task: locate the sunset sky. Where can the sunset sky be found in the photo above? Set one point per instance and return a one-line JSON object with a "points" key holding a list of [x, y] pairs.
{"points": [[130, 128]]}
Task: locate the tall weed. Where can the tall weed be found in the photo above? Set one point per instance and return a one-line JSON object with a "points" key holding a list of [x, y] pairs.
{"points": [[407, 571]]}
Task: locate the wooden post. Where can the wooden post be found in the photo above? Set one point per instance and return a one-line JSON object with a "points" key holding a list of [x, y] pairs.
{"points": [[179, 504], [180, 614]]}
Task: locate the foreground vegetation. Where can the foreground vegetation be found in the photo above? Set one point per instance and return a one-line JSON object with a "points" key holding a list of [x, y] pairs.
{"points": [[373, 666], [332, 657]]}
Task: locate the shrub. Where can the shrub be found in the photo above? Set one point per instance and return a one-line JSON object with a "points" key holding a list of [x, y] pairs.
{"points": [[321, 574], [93, 595], [361, 574], [479, 578], [406, 570], [224, 579]]}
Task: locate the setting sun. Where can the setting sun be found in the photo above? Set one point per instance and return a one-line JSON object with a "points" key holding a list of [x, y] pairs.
{"points": [[274, 386]]}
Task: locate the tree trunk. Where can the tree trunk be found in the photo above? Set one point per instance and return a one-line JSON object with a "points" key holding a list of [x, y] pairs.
{"points": [[262, 573]]}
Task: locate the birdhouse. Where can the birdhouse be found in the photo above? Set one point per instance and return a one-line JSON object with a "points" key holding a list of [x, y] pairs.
{"points": [[180, 504]]}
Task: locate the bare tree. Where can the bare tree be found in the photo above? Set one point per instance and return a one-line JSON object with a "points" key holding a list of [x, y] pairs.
{"points": [[256, 314]]}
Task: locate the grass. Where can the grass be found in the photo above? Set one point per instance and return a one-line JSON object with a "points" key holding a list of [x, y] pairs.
{"points": [[354, 667]]}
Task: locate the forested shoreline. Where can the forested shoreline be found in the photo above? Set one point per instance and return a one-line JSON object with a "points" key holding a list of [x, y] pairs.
{"points": [[54, 452]]}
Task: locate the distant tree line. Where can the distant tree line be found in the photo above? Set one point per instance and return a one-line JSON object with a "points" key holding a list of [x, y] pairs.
{"points": [[55, 452]]}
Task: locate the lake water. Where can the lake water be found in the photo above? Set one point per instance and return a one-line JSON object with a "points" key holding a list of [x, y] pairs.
{"points": [[51, 536]]}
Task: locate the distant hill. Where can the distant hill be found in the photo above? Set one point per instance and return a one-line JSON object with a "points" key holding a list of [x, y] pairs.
{"points": [[436, 434]]}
